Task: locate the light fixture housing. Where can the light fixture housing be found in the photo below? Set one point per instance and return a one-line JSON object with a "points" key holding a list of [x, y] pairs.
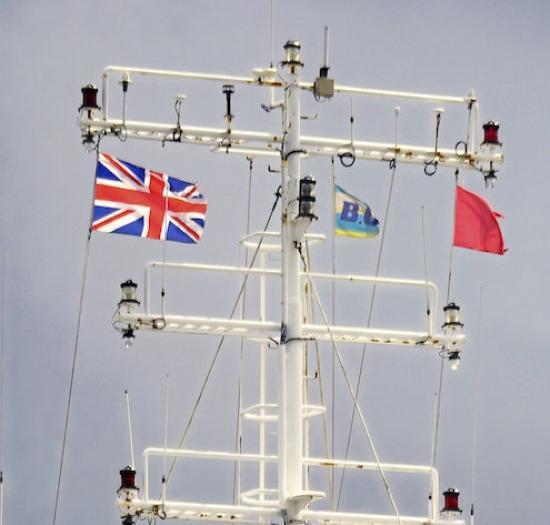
{"points": [[89, 97], [451, 507], [306, 198], [128, 336], [129, 300]]}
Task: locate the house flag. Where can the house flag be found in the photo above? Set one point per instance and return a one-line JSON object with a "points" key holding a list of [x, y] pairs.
{"points": [[476, 224], [354, 218]]}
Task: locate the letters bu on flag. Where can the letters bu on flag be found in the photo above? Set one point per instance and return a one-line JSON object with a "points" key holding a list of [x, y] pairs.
{"points": [[354, 218], [145, 203]]}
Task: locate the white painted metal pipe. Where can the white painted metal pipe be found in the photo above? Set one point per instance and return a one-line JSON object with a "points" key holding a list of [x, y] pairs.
{"points": [[292, 347], [262, 271]]}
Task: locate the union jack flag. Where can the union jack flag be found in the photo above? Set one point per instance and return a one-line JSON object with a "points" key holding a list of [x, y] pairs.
{"points": [[137, 201]]}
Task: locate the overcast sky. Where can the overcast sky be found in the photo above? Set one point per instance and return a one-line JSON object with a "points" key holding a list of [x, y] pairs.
{"points": [[50, 49]]}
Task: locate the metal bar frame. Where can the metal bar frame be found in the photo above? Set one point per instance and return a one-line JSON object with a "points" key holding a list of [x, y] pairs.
{"points": [[433, 506]]}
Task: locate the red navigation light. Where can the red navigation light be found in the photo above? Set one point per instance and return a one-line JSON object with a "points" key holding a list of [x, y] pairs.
{"points": [[89, 97], [490, 130], [451, 500], [128, 478]]}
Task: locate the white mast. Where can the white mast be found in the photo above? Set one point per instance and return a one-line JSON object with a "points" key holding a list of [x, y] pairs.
{"points": [[291, 349], [291, 499]]}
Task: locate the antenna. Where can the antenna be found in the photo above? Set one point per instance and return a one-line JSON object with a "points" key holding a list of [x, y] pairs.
{"points": [[323, 87], [130, 435]]}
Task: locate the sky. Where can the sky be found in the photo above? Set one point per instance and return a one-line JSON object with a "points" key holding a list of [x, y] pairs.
{"points": [[494, 424]]}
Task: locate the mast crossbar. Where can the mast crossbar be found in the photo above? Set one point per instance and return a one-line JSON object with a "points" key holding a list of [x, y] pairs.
{"points": [[246, 142]]}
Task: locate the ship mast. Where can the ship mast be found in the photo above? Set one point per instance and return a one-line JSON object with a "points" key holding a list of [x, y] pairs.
{"points": [[297, 213]]}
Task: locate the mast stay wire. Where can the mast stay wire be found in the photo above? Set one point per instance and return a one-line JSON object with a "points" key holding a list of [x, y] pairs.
{"points": [[438, 394], [357, 408], [2, 377], [425, 259], [393, 168], [475, 400], [222, 339], [238, 423], [333, 305], [324, 422], [76, 345]]}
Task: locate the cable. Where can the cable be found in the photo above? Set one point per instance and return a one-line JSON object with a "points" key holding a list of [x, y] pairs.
{"points": [[2, 376], [393, 167], [75, 349], [324, 422], [425, 259], [357, 408], [437, 417], [238, 429], [222, 339], [333, 364], [457, 173], [476, 405]]}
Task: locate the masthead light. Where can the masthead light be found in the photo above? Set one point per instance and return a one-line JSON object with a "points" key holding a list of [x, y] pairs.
{"points": [[451, 502], [490, 133], [306, 199], [89, 97], [129, 298]]}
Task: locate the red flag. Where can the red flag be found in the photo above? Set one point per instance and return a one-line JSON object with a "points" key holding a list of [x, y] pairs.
{"points": [[476, 225]]}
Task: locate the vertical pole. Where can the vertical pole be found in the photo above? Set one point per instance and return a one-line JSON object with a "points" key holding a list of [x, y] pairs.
{"points": [[291, 350], [263, 351]]}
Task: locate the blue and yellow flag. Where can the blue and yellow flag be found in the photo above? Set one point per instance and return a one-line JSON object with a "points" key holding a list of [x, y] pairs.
{"points": [[354, 218]]}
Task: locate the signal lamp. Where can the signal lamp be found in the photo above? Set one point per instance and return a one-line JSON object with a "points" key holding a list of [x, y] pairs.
{"points": [[129, 295], [490, 133], [306, 199], [452, 316], [89, 97], [128, 478], [451, 501], [128, 336]]}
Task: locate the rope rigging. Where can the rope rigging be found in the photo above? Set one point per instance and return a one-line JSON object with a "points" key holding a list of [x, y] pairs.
{"points": [[393, 168], [238, 425], [356, 406], [222, 339], [76, 345], [319, 377]]}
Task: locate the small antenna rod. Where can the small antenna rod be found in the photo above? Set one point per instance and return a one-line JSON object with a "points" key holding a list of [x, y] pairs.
{"points": [[133, 462], [167, 401], [325, 55]]}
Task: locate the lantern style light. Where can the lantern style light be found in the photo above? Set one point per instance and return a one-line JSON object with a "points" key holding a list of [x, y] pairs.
{"points": [[452, 316], [307, 199], [451, 326], [127, 493], [129, 299], [127, 478], [454, 359], [490, 179], [490, 147], [292, 49], [490, 133], [89, 97], [128, 336], [451, 508]]}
